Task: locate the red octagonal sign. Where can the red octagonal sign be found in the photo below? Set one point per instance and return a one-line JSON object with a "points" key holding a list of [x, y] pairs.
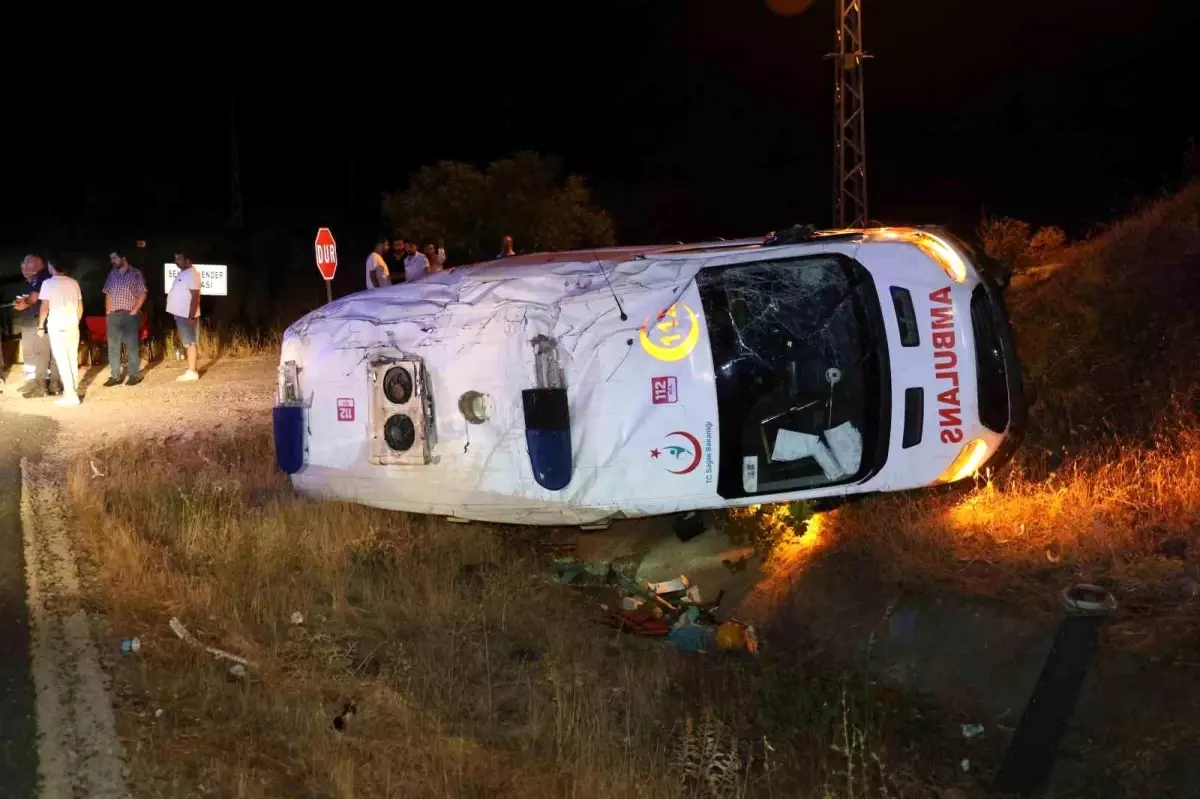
{"points": [[326, 249]]}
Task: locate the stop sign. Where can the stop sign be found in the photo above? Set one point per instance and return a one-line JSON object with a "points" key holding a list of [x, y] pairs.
{"points": [[326, 249]]}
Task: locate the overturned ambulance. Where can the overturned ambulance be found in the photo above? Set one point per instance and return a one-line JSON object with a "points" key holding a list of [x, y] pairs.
{"points": [[581, 387]]}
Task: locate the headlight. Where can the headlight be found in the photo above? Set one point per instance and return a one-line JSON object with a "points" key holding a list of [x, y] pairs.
{"points": [[938, 250], [969, 459], [945, 256]]}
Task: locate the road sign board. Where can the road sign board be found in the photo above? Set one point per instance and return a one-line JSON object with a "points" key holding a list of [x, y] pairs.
{"points": [[326, 250], [214, 278]]}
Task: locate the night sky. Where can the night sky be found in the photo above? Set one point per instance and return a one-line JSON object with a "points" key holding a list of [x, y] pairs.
{"points": [[688, 117]]}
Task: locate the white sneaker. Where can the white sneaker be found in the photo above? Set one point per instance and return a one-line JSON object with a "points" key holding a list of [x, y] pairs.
{"points": [[188, 377], [67, 401]]}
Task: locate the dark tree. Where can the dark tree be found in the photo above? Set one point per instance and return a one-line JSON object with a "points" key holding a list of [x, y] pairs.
{"points": [[524, 195]]}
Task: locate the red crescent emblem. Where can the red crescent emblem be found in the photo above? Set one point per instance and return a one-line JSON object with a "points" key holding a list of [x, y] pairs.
{"points": [[691, 439]]}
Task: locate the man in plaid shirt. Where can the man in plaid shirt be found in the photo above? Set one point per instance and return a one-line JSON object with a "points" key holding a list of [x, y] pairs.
{"points": [[124, 294]]}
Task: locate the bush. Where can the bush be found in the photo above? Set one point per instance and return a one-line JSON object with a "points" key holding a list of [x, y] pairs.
{"points": [[1013, 242]]}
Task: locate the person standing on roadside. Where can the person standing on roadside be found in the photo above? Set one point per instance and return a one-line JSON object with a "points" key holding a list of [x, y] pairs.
{"points": [[377, 268], [183, 302], [41, 373], [124, 294], [436, 256], [415, 264], [61, 308], [395, 260]]}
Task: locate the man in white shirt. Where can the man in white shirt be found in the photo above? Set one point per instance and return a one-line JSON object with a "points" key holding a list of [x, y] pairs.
{"points": [[415, 264], [183, 302], [59, 315], [377, 269]]}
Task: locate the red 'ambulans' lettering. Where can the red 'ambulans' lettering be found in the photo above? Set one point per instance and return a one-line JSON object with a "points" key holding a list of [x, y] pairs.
{"points": [[945, 363]]}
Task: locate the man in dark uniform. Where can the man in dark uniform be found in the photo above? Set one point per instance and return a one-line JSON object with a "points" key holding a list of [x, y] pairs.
{"points": [[43, 378]]}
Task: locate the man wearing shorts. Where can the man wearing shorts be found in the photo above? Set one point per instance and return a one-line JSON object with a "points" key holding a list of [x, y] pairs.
{"points": [[183, 302]]}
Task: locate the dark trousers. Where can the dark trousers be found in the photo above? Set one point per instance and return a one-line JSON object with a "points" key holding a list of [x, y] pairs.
{"points": [[36, 351], [123, 329]]}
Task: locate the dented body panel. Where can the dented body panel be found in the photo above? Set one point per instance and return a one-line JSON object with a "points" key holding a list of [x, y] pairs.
{"points": [[645, 423]]}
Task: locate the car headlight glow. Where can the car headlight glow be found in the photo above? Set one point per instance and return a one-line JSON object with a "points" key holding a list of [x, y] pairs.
{"points": [[938, 250], [945, 256], [969, 459]]}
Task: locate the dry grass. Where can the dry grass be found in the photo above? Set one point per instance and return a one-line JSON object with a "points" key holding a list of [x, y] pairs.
{"points": [[1101, 517], [473, 676], [233, 342]]}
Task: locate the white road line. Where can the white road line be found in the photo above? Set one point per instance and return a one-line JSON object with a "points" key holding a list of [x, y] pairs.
{"points": [[79, 754]]}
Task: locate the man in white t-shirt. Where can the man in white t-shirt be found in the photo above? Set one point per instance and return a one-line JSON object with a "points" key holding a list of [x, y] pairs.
{"points": [[183, 302], [377, 268], [59, 315]]}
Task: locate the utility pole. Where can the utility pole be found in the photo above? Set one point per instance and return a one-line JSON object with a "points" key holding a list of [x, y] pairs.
{"points": [[849, 136], [235, 168]]}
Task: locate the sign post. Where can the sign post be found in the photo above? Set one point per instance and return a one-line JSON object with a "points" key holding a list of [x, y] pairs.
{"points": [[326, 251]]}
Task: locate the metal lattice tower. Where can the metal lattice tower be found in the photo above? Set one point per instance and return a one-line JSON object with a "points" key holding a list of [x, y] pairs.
{"points": [[849, 137]]}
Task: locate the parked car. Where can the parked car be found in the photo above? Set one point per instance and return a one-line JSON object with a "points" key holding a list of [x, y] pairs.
{"points": [[581, 387]]}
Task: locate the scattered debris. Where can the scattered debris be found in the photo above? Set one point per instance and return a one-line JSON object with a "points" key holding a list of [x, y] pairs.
{"points": [[1087, 599], [158, 714], [237, 672], [687, 636], [342, 719], [972, 730], [638, 622], [96, 469], [689, 526], [678, 585], [181, 631], [965, 765], [131, 645], [297, 617], [672, 609], [734, 635]]}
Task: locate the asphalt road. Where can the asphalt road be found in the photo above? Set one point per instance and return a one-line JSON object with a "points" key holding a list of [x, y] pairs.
{"points": [[20, 436]]}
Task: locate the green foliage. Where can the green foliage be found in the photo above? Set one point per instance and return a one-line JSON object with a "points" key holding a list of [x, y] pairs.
{"points": [[523, 196]]}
